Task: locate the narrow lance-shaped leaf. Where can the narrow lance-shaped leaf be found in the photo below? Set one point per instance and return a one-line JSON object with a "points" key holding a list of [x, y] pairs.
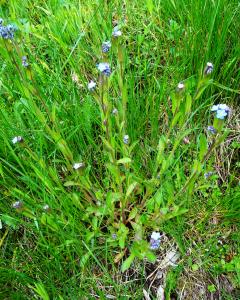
{"points": [[127, 263], [125, 160], [188, 104], [131, 188], [203, 146], [161, 148]]}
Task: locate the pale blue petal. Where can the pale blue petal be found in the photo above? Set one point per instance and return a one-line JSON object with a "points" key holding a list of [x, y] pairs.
{"points": [[221, 114], [214, 108]]}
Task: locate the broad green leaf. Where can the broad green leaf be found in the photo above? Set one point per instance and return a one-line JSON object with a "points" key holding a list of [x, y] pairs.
{"points": [[151, 256], [48, 221], [131, 188], [197, 166], [125, 160], [114, 171], [138, 228], [150, 5], [176, 213], [218, 124], [195, 267], [222, 137], [175, 119], [133, 213], [127, 263], [133, 145], [161, 148], [188, 104], [203, 146], [28, 213], [122, 233], [71, 183], [41, 291], [202, 86], [107, 144], [10, 221]]}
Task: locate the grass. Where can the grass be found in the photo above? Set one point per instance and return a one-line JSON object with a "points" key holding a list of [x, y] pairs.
{"points": [[92, 240]]}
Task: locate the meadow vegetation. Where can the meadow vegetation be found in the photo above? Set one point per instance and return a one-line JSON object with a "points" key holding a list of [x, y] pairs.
{"points": [[119, 153]]}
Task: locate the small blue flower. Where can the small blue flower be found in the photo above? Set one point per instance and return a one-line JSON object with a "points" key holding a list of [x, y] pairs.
{"points": [[212, 130], [104, 68], [116, 32], [224, 107], [155, 240], [154, 244], [114, 236], [221, 114], [222, 110], [180, 87], [115, 111], [25, 63], [126, 139], [17, 205], [17, 139], [7, 32], [106, 46], [214, 108], [46, 208], [208, 69], [91, 85], [208, 174]]}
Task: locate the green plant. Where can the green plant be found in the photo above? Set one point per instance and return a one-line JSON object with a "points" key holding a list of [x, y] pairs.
{"points": [[86, 176]]}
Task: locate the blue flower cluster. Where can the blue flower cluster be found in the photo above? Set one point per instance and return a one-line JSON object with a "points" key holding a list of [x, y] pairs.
{"points": [[126, 139], [106, 46], [155, 240], [116, 32], [25, 63], [212, 130], [7, 32], [104, 68], [208, 174], [208, 69], [222, 111], [17, 205], [154, 244]]}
